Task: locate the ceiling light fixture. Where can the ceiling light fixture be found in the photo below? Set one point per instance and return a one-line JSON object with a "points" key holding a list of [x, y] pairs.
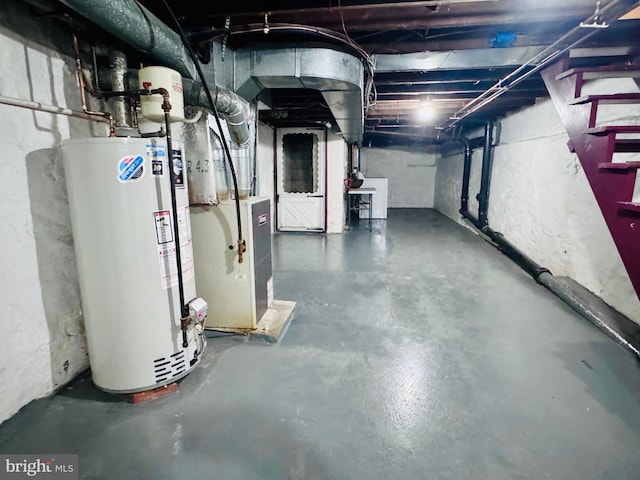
{"points": [[266, 28], [425, 111]]}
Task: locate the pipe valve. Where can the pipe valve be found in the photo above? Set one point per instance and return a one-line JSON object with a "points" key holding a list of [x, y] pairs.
{"points": [[242, 247]]}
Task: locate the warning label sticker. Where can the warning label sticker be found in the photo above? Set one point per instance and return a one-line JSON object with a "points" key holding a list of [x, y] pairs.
{"points": [[164, 228], [169, 266], [178, 170], [167, 247], [130, 168], [184, 225]]}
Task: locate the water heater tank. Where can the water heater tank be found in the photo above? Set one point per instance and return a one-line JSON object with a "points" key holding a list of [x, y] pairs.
{"points": [[122, 220], [151, 105]]}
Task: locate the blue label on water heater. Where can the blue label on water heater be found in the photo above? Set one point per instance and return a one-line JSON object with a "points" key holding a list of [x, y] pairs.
{"points": [[130, 168]]}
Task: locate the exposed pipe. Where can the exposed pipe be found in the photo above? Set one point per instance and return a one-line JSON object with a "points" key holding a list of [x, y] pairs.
{"points": [[227, 102], [540, 274], [566, 294], [119, 105], [466, 173], [184, 309], [516, 255], [83, 99], [140, 29], [485, 178], [608, 14], [41, 107], [370, 6], [242, 245]]}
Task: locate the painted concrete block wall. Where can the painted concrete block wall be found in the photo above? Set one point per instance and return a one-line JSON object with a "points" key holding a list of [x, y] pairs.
{"points": [[411, 175], [336, 173], [541, 200], [42, 343], [265, 166]]}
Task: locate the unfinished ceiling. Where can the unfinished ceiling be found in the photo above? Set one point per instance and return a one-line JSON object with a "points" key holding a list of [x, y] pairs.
{"points": [[448, 55]]}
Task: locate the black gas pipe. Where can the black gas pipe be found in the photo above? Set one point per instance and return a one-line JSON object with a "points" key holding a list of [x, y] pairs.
{"points": [[184, 308]]}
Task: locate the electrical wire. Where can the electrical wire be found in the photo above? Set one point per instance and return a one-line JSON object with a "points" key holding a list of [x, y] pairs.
{"points": [[344, 29], [225, 143], [202, 344], [566, 42]]}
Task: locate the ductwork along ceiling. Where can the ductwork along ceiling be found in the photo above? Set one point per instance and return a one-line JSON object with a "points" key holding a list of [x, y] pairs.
{"points": [[367, 67]]}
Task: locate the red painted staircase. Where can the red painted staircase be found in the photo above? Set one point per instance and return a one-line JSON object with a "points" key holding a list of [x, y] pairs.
{"points": [[611, 179]]}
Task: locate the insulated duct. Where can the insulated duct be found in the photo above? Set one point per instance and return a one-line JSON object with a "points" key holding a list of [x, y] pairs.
{"points": [[337, 75], [139, 28], [119, 105], [227, 103]]}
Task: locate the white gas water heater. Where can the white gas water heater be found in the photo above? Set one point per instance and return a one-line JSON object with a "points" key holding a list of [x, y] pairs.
{"points": [[132, 234]]}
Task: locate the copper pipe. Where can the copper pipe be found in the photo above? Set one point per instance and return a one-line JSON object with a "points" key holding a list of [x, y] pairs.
{"points": [[85, 109]]}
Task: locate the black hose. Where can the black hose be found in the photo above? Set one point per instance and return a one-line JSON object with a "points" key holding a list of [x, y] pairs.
{"points": [[225, 145]]}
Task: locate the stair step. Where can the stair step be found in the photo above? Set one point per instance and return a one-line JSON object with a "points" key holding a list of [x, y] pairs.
{"points": [[600, 52], [629, 206], [615, 98], [606, 130], [607, 71], [627, 145], [621, 166]]}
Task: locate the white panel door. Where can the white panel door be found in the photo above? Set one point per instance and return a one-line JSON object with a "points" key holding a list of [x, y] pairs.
{"points": [[300, 177]]}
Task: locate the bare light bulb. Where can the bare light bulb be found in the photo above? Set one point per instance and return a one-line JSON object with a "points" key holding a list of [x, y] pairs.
{"points": [[425, 112], [266, 28]]}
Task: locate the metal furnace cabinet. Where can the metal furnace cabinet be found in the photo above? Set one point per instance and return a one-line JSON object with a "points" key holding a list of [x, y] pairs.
{"points": [[238, 294]]}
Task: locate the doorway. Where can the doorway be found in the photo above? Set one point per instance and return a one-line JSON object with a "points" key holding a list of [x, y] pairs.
{"points": [[300, 179]]}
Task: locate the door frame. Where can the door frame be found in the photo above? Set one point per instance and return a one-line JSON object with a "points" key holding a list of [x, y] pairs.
{"points": [[321, 138]]}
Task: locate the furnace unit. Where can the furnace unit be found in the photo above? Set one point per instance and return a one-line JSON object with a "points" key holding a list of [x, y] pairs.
{"points": [[238, 294]]}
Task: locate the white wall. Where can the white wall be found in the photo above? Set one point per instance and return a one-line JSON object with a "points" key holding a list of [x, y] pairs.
{"points": [[411, 175], [336, 173], [541, 201], [265, 166], [42, 343]]}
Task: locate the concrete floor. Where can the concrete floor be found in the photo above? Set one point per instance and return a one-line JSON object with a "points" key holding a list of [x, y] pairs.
{"points": [[417, 351]]}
